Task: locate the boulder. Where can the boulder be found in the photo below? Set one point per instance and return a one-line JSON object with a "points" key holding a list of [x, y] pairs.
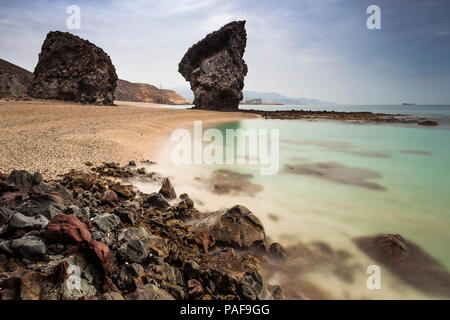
{"points": [[408, 261], [67, 229], [156, 200], [73, 69], [107, 222], [236, 227], [124, 191], [167, 189], [29, 247], [215, 68]]}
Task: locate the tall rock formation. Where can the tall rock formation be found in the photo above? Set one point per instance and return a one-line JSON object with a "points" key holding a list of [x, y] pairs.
{"points": [[215, 68], [73, 69]]}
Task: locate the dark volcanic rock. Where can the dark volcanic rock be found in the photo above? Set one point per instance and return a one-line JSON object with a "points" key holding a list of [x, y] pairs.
{"points": [[73, 69], [408, 261], [14, 80], [215, 68], [236, 227], [167, 189]]}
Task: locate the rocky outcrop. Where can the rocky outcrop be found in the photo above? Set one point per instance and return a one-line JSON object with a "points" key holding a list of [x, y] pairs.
{"points": [[215, 68], [143, 92], [137, 247], [14, 80], [73, 69]]}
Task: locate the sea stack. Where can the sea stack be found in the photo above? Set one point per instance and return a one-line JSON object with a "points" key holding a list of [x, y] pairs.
{"points": [[216, 69], [73, 69]]}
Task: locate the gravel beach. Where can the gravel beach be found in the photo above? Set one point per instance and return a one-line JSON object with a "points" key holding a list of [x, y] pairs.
{"points": [[52, 137]]}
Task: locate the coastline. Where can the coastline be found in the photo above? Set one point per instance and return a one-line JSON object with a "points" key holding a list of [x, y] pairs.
{"points": [[52, 137]]}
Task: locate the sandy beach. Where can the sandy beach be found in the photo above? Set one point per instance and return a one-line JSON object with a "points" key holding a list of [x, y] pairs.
{"points": [[53, 137]]}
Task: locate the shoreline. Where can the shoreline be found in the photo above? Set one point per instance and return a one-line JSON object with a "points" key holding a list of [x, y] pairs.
{"points": [[52, 137]]}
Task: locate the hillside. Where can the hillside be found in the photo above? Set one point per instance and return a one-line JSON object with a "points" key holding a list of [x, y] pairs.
{"points": [[14, 80], [143, 92], [186, 92]]}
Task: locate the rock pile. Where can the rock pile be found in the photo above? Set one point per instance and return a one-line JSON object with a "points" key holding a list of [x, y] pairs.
{"points": [[88, 237], [73, 69], [215, 68]]}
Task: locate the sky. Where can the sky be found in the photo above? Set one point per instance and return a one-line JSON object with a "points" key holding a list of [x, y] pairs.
{"points": [[318, 49]]}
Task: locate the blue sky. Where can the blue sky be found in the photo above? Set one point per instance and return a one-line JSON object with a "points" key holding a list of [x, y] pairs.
{"points": [[304, 48]]}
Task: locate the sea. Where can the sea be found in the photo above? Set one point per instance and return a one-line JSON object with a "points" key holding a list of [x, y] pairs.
{"points": [[338, 181]]}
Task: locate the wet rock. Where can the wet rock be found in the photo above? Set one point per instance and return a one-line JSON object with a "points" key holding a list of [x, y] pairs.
{"points": [[427, 123], [29, 247], [408, 261], [277, 251], [107, 222], [112, 296], [215, 68], [167, 189], [73, 69], [157, 201], [133, 251], [20, 221], [236, 227], [109, 197], [149, 292]]}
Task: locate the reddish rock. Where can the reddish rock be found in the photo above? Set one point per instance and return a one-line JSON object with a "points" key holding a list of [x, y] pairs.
{"points": [[60, 273], [195, 289], [204, 238], [67, 229], [99, 254]]}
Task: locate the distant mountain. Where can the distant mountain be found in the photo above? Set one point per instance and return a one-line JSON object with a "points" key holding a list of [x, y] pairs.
{"points": [[143, 92], [276, 97], [265, 96], [14, 80]]}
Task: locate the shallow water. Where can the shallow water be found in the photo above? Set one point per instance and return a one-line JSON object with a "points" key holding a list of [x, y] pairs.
{"points": [[408, 166]]}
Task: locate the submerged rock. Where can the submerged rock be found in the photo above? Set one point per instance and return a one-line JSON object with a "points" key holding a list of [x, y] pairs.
{"points": [[73, 69], [215, 68], [408, 261]]}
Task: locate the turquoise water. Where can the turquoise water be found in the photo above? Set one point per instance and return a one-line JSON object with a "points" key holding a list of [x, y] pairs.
{"points": [[414, 178]]}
